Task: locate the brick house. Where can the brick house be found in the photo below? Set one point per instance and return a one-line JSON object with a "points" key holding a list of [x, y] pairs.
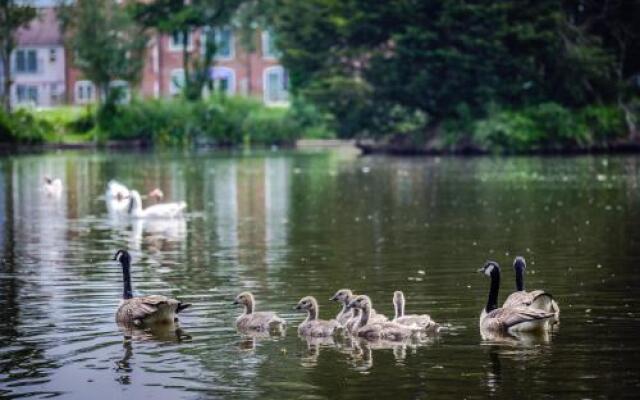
{"points": [[44, 75], [234, 70]]}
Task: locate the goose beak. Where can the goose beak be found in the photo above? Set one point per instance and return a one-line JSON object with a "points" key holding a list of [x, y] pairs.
{"points": [[480, 270], [333, 298], [235, 302]]}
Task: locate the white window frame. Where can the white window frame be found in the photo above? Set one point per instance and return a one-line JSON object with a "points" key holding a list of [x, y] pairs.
{"points": [[26, 50], [231, 90], [173, 88], [272, 54], [232, 43], [84, 84], [173, 46], [28, 100], [265, 82]]}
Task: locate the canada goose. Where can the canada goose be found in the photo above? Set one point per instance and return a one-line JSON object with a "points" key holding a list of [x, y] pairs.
{"points": [[251, 320], [422, 321], [313, 326], [52, 186], [163, 210], [507, 319], [538, 299], [151, 309], [377, 330]]}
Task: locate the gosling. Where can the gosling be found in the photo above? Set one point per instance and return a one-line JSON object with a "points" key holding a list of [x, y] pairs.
{"points": [[422, 321], [378, 330], [312, 325], [258, 321]]}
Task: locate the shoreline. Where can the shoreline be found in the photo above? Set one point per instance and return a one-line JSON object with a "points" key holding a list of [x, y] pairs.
{"points": [[365, 147], [372, 148]]}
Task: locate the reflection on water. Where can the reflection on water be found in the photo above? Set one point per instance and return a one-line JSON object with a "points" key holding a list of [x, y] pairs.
{"points": [[287, 225]]}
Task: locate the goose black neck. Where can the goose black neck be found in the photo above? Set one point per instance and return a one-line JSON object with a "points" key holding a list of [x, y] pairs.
{"points": [[126, 275], [519, 279], [492, 302]]}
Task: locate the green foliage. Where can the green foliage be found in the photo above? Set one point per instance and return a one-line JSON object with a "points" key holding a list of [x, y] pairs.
{"points": [[220, 120], [171, 16], [107, 45], [458, 62], [604, 123], [21, 127], [548, 126]]}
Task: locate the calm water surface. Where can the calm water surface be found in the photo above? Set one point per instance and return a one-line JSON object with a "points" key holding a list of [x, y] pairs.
{"points": [[285, 225]]}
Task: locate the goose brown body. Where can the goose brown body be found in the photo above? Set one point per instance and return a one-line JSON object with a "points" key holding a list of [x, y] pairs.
{"points": [[508, 318], [152, 309], [536, 299]]}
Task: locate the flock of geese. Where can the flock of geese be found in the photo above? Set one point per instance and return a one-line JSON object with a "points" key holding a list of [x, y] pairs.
{"points": [[522, 311]]}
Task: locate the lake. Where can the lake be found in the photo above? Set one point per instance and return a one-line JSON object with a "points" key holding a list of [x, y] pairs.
{"points": [[287, 224]]}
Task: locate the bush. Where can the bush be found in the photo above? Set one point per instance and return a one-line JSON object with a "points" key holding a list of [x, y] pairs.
{"points": [[21, 127], [507, 131], [603, 122], [220, 120]]}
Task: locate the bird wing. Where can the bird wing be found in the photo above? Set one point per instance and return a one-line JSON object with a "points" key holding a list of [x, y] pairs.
{"points": [[509, 317]]}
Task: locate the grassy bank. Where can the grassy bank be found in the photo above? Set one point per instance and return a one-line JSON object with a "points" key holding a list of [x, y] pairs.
{"points": [[217, 121]]}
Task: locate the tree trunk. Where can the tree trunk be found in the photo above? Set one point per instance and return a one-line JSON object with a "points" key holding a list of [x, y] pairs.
{"points": [[6, 80]]}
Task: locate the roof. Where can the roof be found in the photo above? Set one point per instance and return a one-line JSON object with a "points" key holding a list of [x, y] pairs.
{"points": [[44, 30]]}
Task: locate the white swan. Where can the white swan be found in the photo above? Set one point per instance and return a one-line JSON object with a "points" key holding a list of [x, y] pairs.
{"points": [[52, 186], [163, 210], [117, 197]]}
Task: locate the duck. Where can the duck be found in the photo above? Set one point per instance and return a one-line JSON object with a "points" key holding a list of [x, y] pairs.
{"points": [[312, 325], [143, 310], [538, 299], [251, 320], [508, 319], [378, 330], [52, 186], [162, 210], [423, 321]]}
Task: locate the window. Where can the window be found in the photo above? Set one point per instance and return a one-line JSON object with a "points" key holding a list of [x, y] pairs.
{"points": [[177, 81], [123, 87], [84, 92], [27, 94], [276, 85], [269, 49], [53, 55], [224, 42], [177, 40], [26, 61], [224, 80]]}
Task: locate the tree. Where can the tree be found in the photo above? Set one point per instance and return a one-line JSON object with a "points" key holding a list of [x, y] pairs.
{"points": [[185, 17], [13, 16], [105, 42], [455, 60]]}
